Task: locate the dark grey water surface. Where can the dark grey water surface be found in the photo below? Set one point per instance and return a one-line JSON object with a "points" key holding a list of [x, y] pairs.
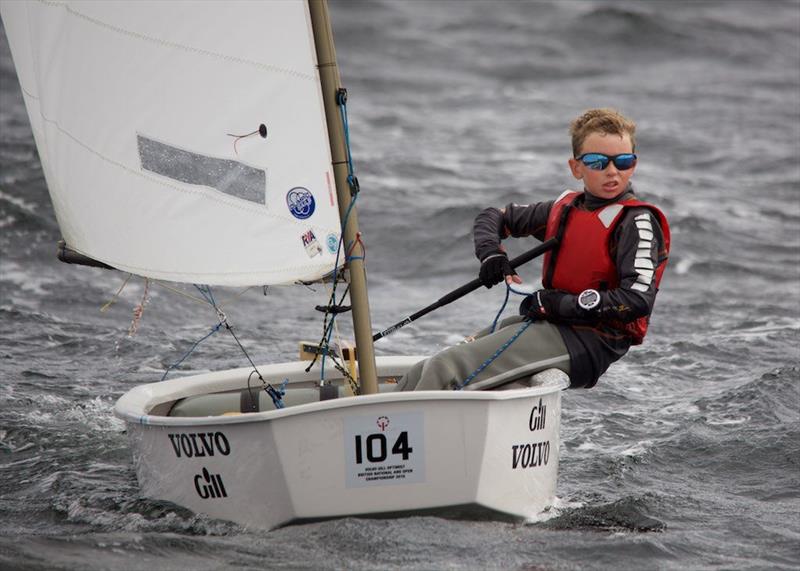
{"points": [[687, 453]]}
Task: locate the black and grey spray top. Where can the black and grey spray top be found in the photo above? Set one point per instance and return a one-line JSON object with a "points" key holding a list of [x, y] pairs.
{"points": [[592, 346]]}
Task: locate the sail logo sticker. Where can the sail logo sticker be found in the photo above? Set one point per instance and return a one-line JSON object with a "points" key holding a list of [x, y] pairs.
{"points": [[384, 450], [300, 202], [332, 241], [311, 245]]}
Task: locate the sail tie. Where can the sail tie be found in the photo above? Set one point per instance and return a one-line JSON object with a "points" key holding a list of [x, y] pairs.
{"points": [[138, 311], [358, 242]]}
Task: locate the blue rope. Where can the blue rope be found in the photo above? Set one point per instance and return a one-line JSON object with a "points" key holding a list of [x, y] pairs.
{"points": [[341, 99], [205, 291], [502, 309], [497, 353], [189, 352], [509, 289], [208, 295], [278, 394], [329, 332], [351, 180], [505, 345]]}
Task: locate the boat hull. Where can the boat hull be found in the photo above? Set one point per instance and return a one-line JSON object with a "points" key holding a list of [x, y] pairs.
{"points": [[466, 453]]}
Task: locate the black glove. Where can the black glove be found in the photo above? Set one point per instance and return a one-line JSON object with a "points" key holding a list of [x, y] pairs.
{"points": [[545, 304], [558, 306], [494, 269]]}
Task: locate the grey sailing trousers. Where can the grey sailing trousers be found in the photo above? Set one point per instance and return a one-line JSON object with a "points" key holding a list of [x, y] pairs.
{"points": [[537, 348]]}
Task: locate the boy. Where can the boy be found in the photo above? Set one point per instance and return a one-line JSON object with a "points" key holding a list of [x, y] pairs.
{"points": [[600, 282]]}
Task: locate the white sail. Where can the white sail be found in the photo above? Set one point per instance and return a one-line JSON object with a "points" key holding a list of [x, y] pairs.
{"points": [[131, 104]]}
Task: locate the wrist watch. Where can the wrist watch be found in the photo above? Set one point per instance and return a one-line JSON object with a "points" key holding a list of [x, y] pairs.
{"points": [[589, 299]]}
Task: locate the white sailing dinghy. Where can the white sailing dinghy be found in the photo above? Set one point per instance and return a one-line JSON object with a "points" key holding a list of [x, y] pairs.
{"points": [[131, 106]]}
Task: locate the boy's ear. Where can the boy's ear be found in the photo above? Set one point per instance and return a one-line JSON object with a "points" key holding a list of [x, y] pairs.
{"points": [[574, 166]]}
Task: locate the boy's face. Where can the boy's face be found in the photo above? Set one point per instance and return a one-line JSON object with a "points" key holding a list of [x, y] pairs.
{"points": [[609, 182]]}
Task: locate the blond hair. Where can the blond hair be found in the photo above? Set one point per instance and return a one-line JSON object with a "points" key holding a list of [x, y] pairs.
{"points": [[604, 120]]}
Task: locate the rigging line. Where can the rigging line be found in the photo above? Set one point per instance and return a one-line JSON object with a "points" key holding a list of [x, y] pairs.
{"points": [[347, 374], [203, 301], [235, 297], [268, 388], [332, 300], [229, 328], [115, 297], [191, 349], [325, 326], [341, 99], [330, 330], [275, 394], [206, 292], [181, 293]]}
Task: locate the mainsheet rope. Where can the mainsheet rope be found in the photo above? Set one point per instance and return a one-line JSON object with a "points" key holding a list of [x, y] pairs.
{"points": [[504, 346]]}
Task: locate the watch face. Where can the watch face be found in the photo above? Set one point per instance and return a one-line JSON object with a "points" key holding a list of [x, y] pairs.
{"points": [[589, 299]]}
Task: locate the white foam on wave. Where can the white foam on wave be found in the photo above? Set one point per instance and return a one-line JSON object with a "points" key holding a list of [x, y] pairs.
{"points": [[18, 202], [684, 265], [96, 414], [559, 506], [759, 331], [26, 281], [727, 421]]}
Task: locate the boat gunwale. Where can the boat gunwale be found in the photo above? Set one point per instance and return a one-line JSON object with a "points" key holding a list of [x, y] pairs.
{"points": [[132, 406]]}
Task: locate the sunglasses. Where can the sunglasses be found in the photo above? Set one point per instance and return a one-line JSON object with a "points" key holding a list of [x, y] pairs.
{"points": [[599, 161]]}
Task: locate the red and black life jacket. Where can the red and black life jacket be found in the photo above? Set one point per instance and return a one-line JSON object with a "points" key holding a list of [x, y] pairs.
{"points": [[582, 259]]}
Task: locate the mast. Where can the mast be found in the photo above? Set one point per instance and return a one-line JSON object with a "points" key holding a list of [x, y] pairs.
{"points": [[331, 82]]}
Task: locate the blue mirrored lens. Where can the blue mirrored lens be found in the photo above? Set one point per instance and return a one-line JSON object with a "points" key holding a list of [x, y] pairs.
{"points": [[595, 161], [599, 161], [625, 162]]}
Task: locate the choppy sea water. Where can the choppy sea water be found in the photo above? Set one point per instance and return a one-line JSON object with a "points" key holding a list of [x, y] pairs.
{"points": [[687, 453]]}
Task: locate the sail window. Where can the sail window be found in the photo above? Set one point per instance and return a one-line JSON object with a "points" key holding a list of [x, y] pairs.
{"points": [[225, 175]]}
